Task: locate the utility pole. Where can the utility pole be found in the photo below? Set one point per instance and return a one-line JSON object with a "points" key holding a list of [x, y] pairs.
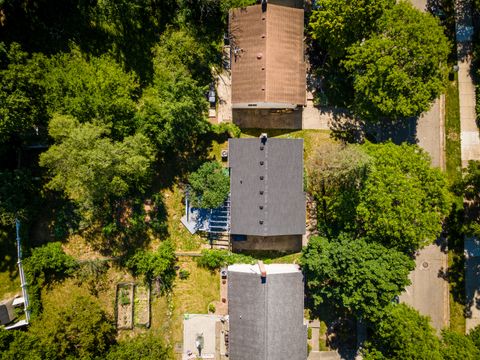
{"points": [[23, 282]]}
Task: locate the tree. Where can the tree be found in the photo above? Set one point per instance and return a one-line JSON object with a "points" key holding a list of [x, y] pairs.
{"points": [[172, 111], [469, 188], [403, 201], [46, 263], [16, 194], [386, 193], [404, 334], [354, 276], [91, 169], [75, 327], [402, 67], [337, 24], [458, 346], [19, 345], [474, 335], [157, 265], [210, 185], [22, 103], [335, 175], [142, 347], [94, 90]]}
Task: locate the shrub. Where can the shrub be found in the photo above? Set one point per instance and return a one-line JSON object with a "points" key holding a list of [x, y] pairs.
{"points": [[183, 274], [214, 259], [211, 308]]}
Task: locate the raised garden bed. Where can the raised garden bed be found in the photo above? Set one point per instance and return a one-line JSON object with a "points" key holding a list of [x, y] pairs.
{"points": [[141, 309], [124, 305]]}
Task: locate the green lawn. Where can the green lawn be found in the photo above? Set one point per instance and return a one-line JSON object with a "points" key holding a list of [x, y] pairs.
{"points": [[452, 131], [9, 279]]}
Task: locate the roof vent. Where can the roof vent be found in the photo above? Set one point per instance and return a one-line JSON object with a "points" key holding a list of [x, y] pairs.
{"points": [[261, 192], [261, 163], [259, 56], [263, 138], [262, 177], [260, 222]]}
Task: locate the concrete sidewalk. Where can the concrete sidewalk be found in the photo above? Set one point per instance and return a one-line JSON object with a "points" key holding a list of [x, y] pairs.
{"points": [[470, 140]]}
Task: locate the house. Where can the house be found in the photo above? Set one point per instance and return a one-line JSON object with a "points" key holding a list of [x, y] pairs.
{"points": [[267, 200], [265, 306], [7, 311], [268, 66]]}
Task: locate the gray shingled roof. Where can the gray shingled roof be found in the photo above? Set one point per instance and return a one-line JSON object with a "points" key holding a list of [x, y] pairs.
{"points": [[266, 317], [266, 185]]}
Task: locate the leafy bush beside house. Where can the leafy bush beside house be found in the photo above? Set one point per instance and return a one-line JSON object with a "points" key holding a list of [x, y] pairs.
{"points": [[210, 185]]}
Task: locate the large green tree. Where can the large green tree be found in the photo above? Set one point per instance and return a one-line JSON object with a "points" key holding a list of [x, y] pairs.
{"points": [[403, 334], [210, 185], [335, 175], [458, 346], [469, 188], [337, 24], [354, 276], [386, 193], [22, 103], [402, 67], [91, 169], [142, 347], [94, 89], [172, 112], [74, 328], [403, 201]]}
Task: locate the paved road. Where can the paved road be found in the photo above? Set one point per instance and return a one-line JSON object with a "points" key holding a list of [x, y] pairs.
{"points": [[428, 292]]}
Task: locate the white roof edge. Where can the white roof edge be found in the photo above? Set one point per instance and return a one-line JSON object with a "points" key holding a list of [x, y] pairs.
{"points": [[270, 268]]}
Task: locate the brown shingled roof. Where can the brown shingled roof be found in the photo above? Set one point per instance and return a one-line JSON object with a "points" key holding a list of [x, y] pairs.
{"points": [[267, 55]]}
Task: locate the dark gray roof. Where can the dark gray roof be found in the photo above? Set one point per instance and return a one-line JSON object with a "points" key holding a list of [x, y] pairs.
{"points": [[266, 187], [266, 317]]}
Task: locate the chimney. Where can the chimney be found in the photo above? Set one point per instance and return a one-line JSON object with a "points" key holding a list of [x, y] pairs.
{"points": [[263, 270]]}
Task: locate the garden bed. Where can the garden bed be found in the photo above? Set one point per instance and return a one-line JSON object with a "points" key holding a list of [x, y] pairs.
{"points": [[141, 311], [124, 305]]}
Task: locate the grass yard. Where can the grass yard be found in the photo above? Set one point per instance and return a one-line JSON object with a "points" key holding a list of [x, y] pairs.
{"points": [[457, 291], [183, 240], [192, 295], [9, 279], [311, 138], [452, 131]]}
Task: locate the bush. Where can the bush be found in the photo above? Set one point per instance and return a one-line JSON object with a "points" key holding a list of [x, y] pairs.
{"points": [[309, 333], [183, 274], [210, 185], [214, 259], [211, 308], [46, 263], [155, 265]]}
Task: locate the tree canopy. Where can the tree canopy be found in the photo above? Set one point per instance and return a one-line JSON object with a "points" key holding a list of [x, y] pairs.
{"points": [[75, 327], [386, 193], [402, 67], [337, 24], [403, 200], [22, 103], [91, 169], [142, 347], [96, 90], [354, 276], [403, 334], [210, 185]]}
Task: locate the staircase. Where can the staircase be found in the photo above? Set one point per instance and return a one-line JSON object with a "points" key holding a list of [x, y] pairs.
{"points": [[219, 227]]}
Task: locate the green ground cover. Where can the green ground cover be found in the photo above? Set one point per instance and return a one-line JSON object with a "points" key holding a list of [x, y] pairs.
{"points": [[452, 131]]}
